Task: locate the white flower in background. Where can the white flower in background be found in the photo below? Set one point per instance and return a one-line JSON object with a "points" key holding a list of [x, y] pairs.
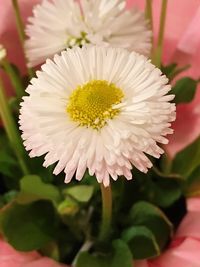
{"points": [[3, 52], [98, 108], [59, 24]]}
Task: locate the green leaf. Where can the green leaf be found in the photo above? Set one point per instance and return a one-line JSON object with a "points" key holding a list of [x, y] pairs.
{"points": [[172, 70], [10, 196], [33, 189], [184, 90], [150, 216], [169, 69], [192, 188], [166, 188], [187, 160], [120, 255], [81, 193], [29, 227], [68, 207], [7, 163], [155, 187], [51, 250], [15, 78], [141, 242]]}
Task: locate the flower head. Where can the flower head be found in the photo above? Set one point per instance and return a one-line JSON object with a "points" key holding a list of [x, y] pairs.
{"points": [[97, 108], [60, 24]]}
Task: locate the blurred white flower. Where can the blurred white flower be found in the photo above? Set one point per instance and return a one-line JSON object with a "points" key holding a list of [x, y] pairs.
{"points": [[3, 52], [99, 108], [59, 24]]}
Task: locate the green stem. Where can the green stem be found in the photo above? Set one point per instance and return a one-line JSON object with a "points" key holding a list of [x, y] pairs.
{"points": [[20, 29], [106, 212], [15, 79], [158, 52], [12, 130], [178, 71], [148, 12], [149, 17], [85, 247]]}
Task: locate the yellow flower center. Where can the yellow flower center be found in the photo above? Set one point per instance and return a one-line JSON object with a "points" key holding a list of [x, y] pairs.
{"points": [[77, 41], [91, 104]]}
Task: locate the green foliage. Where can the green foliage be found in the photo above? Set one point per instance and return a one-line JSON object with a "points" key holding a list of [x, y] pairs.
{"points": [[172, 70], [146, 214], [15, 78], [29, 227], [156, 187], [187, 160], [7, 163], [81, 193], [169, 70], [120, 255], [68, 207], [190, 170], [141, 242], [167, 188], [184, 90], [33, 189]]}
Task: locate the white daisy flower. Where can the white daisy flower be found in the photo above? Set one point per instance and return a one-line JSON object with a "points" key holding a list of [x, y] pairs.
{"points": [[59, 24], [97, 108]]}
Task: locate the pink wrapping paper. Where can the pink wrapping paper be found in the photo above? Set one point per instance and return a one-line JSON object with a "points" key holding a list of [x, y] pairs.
{"points": [[184, 250], [9, 257]]}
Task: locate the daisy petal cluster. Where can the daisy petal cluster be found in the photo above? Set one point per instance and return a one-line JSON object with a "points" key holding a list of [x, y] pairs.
{"points": [[98, 108], [59, 24]]}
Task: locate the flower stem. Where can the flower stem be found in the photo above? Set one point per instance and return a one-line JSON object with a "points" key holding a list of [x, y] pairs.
{"points": [[20, 29], [106, 194], [149, 17], [85, 247], [11, 130], [148, 12], [15, 78], [158, 52]]}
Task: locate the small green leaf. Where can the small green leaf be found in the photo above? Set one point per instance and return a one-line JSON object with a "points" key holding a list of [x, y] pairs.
{"points": [[150, 216], [141, 242], [172, 70], [68, 207], [184, 90], [51, 250], [10, 196], [120, 255], [192, 188], [187, 160], [169, 69], [33, 189], [29, 227], [81, 193]]}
